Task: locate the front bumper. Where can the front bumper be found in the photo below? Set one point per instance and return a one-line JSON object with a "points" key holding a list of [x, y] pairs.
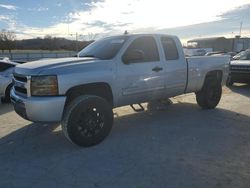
{"points": [[39, 109], [240, 77]]}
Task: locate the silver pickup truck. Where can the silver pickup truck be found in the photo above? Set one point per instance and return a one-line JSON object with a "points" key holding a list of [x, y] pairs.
{"points": [[121, 70]]}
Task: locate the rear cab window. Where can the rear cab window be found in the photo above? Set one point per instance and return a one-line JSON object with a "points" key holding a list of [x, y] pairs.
{"points": [[169, 48]]}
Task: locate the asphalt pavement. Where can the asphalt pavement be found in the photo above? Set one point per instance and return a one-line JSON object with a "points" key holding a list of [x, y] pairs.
{"points": [[175, 145]]}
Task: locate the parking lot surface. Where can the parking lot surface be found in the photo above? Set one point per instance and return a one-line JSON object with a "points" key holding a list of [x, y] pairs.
{"points": [[176, 145]]}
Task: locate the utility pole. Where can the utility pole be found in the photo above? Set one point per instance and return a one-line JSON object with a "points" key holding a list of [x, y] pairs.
{"points": [[76, 41], [240, 28]]}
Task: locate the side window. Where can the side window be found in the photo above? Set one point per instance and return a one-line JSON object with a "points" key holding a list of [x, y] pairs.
{"points": [[170, 49], [147, 49], [4, 66]]}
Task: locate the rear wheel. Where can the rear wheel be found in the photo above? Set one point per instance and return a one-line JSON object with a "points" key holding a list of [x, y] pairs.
{"points": [[87, 120], [210, 94]]}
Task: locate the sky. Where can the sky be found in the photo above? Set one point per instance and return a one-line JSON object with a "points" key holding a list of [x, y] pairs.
{"points": [[92, 19]]}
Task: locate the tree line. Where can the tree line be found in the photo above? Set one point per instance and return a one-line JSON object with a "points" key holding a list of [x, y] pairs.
{"points": [[8, 42]]}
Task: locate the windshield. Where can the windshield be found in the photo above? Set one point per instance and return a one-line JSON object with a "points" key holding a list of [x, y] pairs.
{"points": [[105, 48], [242, 56], [5, 66]]}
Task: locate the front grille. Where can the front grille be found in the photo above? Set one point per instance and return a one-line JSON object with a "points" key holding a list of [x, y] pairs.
{"points": [[20, 78], [240, 68], [21, 90], [20, 83]]}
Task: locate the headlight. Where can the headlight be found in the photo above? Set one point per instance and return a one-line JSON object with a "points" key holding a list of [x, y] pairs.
{"points": [[44, 85]]}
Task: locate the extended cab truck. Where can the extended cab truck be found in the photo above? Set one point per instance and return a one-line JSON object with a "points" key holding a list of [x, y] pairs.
{"points": [[112, 72]]}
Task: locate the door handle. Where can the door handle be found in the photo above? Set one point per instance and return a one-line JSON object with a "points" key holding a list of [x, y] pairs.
{"points": [[157, 69]]}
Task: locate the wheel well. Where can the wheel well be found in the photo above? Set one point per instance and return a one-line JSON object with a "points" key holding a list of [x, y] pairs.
{"points": [[100, 89], [8, 87], [214, 75]]}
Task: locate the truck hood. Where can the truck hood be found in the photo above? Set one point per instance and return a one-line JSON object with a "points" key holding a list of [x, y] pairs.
{"points": [[35, 67], [241, 62]]}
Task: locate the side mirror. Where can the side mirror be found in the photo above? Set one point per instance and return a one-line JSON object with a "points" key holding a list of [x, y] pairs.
{"points": [[133, 56]]}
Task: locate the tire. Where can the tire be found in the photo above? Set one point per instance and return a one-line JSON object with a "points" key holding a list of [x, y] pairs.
{"points": [[6, 98], [210, 94], [87, 120], [229, 82]]}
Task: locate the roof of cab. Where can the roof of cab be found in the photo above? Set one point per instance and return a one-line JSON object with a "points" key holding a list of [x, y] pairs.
{"points": [[141, 34]]}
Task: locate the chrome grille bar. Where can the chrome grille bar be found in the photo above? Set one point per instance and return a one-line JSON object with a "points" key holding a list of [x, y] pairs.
{"points": [[21, 85]]}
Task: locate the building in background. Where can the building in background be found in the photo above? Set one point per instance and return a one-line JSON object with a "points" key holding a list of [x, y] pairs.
{"points": [[236, 44]]}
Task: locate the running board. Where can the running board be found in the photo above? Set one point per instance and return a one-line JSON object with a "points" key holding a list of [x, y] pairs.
{"points": [[141, 109]]}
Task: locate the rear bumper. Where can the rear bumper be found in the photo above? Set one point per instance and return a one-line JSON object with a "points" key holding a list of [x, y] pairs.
{"points": [[39, 109]]}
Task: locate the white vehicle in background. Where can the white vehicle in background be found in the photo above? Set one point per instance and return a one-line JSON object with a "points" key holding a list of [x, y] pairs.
{"points": [[240, 68], [6, 70]]}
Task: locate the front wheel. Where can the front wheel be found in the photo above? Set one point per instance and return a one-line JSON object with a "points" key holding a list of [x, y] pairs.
{"points": [[6, 98], [87, 120], [210, 94], [229, 82]]}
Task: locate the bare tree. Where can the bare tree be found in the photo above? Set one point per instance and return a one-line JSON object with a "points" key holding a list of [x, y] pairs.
{"points": [[7, 40], [49, 42], [48, 37], [92, 36], [89, 36]]}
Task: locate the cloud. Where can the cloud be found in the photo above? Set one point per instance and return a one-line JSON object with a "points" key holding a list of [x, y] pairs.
{"points": [[9, 20], [113, 17], [4, 18], [242, 12], [9, 7], [39, 9], [228, 26], [107, 26], [141, 14]]}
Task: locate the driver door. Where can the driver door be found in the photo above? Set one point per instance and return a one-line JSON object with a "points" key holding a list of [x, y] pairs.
{"points": [[141, 77]]}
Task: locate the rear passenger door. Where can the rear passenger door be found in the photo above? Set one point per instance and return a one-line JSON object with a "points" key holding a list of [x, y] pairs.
{"points": [[175, 65], [143, 79]]}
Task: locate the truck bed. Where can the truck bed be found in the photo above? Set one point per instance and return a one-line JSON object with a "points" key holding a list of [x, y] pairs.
{"points": [[198, 66]]}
